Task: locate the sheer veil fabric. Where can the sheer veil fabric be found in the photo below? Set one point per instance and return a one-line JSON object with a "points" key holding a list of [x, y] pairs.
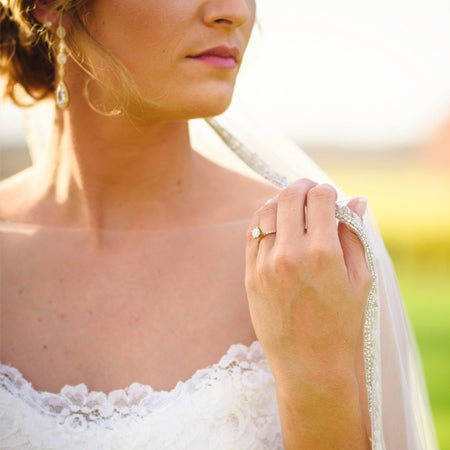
{"points": [[405, 419], [402, 416]]}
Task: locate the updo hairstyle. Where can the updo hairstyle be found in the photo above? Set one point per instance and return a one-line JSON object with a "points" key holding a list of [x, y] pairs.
{"points": [[27, 56]]}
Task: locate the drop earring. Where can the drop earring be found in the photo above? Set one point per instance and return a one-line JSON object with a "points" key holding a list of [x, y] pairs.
{"points": [[62, 93]]}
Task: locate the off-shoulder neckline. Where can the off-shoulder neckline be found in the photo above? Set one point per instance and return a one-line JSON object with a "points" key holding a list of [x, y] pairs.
{"points": [[77, 407], [8, 370]]}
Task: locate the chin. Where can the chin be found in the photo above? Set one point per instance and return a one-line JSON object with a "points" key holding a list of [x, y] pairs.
{"points": [[210, 109], [188, 104], [209, 103], [200, 107]]}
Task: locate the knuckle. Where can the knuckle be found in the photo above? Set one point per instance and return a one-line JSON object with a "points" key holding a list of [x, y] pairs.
{"points": [[288, 193], [321, 256], [320, 251], [323, 192], [272, 200], [284, 261], [269, 209], [303, 183], [291, 193]]}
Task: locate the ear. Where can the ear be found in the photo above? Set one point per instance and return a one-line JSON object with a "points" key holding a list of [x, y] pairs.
{"points": [[44, 14]]}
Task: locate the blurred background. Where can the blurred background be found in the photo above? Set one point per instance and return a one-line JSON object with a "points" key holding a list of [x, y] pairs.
{"points": [[364, 88]]}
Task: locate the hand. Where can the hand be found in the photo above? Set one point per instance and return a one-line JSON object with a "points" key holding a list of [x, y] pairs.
{"points": [[307, 287]]}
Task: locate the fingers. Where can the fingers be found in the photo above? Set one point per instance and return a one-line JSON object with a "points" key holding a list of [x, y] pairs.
{"points": [[265, 218], [251, 251], [321, 211], [284, 214], [304, 204], [358, 205], [291, 219], [267, 223], [352, 248]]}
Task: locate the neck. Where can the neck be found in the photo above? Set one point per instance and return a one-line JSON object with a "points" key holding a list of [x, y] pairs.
{"points": [[108, 173]]}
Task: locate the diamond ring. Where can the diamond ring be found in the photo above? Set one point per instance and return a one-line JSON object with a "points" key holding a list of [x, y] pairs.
{"points": [[257, 233]]}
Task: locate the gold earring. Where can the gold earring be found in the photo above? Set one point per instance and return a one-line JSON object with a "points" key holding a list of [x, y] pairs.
{"points": [[62, 93]]}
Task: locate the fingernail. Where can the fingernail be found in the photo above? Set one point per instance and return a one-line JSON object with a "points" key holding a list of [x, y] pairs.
{"points": [[361, 206], [271, 200]]}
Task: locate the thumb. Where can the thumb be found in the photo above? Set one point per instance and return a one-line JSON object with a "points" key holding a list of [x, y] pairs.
{"points": [[358, 205], [352, 248]]}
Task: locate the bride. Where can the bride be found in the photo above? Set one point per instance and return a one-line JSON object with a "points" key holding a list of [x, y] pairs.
{"points": [[129, 260]]}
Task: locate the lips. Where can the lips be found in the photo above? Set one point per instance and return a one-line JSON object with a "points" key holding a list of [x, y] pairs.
{"points": [[222, 56], [222, 52]]}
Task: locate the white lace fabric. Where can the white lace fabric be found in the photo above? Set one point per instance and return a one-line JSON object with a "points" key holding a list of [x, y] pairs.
{"points": [[232, 404], [229, 405]]}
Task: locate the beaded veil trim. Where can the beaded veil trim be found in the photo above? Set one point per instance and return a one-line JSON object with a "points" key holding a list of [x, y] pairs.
{"points": [[355, 223], [213, 394]]}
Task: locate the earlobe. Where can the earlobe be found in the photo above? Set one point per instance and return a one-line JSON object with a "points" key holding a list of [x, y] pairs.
{"points": [[44, 14]]}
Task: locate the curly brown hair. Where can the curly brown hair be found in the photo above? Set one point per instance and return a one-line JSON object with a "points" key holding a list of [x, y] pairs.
{"points": [[26, 47], [27, 57]]}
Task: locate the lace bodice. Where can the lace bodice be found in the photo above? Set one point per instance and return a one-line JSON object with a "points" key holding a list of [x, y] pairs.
{"points": [[229, 405]]}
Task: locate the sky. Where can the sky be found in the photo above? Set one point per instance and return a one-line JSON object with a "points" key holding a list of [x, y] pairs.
{"points": [[353, 73], [347, 73]]}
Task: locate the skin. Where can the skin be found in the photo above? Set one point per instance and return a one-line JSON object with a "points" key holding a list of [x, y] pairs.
{"points": [[104, 175], [308, 319]]}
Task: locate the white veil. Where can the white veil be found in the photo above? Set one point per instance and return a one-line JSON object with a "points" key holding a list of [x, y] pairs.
{"points": [[401, 415], [400, 412]]}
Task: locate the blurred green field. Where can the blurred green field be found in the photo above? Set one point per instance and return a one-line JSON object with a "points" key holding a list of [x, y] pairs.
{"points": [[412, 207], [427, 294]]}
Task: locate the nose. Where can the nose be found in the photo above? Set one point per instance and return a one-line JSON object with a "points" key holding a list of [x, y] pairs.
{"points": [[228, 13]]}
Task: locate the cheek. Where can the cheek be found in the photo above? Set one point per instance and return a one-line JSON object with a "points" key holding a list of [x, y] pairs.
{"points": [[151, 39], [140, 33]]}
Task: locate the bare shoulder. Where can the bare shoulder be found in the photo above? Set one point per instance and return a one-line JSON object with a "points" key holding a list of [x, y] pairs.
{"points": [[15, 195], [252, 191], [237, 195]]}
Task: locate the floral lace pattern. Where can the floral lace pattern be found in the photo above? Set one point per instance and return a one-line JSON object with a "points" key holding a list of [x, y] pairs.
{"points": [[229, 405]]}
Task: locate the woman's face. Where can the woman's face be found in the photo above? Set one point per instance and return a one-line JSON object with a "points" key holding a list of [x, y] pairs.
{"points": [[184, 54]]}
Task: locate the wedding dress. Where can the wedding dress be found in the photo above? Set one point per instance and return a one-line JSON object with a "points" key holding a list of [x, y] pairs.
{"points": [[231, 405]]}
